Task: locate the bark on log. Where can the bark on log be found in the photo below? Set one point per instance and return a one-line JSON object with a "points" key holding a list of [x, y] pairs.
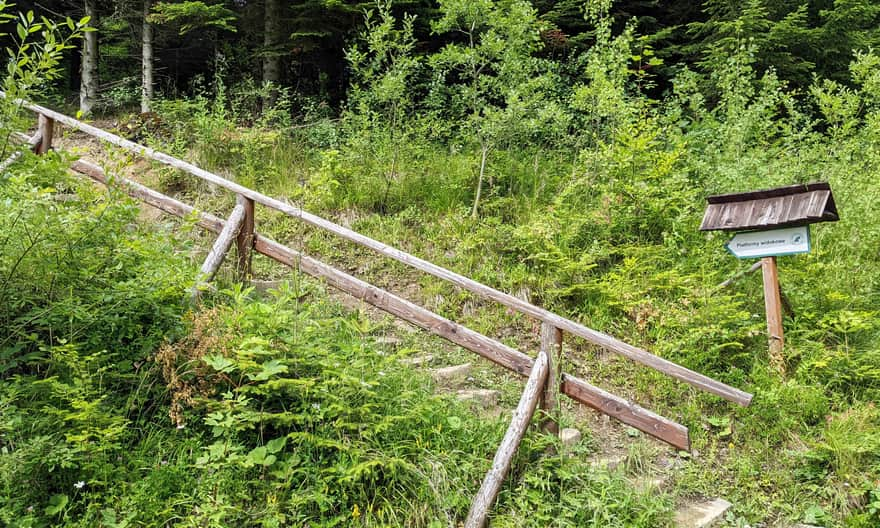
{"points": [[88, 88], [501, 463], [551, 345], [245, 239], [46, 130], [146, 58], [32, 142], [219, 249]]}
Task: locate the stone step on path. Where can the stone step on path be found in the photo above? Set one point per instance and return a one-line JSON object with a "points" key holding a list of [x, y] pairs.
{"points": [[649, 483], [702, 514], [452, 376], [418, 361], [569, 437], [609, 463], [485, 398], [389, 340]]}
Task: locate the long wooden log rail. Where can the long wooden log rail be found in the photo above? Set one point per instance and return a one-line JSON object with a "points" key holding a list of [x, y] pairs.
{"points": [[545, 380]]}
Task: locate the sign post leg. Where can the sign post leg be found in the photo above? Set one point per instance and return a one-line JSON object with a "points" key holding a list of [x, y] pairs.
{"points": [[773, 306]]}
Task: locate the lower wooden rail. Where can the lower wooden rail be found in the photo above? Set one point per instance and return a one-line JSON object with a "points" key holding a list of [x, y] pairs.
{"points": [[32, 141], [629, 413]]}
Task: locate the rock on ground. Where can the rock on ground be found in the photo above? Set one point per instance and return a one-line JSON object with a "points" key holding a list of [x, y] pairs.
{"points": [[701, 514]]}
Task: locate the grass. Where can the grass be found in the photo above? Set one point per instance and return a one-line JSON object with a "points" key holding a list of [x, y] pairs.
{"points": [[607, 235], [655, 290]]}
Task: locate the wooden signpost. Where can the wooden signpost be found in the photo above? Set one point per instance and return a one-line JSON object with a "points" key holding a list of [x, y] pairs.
{"points": [[771, 223]]}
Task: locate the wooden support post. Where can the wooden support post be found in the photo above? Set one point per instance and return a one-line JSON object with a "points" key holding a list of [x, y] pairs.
{"points": [[45, 127], [501, 464], [245, 240], [551, 346], [773, 306], [218, 250]]}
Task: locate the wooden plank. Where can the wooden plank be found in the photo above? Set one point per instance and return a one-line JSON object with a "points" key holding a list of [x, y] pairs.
{"points": [[595, 337], [551, 346], [504, 456], [31, 141], [219, 249], [149, 196], [629, 413], [46, 128], [245, 239], [614, 406], [766, 212], [773, 307]]}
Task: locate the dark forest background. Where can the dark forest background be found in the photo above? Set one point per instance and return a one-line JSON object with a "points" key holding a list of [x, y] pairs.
{"points": [[307, 40]]}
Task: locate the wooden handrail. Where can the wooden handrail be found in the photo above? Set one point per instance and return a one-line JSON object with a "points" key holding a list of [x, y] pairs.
{"points": [[495, 351], [593, 336]]}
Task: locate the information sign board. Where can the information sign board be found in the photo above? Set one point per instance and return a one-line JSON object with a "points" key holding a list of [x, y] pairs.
{"points": [[776, 242]]}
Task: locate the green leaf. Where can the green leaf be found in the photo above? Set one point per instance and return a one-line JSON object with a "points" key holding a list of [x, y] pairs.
{"points": [[220, 363], [56, 504], [259, 456], [454, 422], [276, 445], [269, 369]]}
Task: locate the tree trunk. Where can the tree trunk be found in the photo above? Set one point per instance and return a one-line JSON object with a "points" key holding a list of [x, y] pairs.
{"points": [[484, 154], [271, 58], [147, 59], [88, 87]]}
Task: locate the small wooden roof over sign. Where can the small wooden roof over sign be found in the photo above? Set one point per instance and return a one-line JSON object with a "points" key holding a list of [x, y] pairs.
{"points": [[794, 205]]}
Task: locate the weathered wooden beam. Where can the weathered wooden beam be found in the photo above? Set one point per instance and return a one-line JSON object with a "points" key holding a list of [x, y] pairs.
{"points": [[579, 390], [773, 307], [46, 128], [629, 413], [219, 249], [503, 457], [551, 346], [149, 196], [245, 239], [595, 337], [31, 141]]}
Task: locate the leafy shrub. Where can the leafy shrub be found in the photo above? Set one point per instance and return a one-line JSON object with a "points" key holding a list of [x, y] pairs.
{"points": [[292, 397], [89, 295]]}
